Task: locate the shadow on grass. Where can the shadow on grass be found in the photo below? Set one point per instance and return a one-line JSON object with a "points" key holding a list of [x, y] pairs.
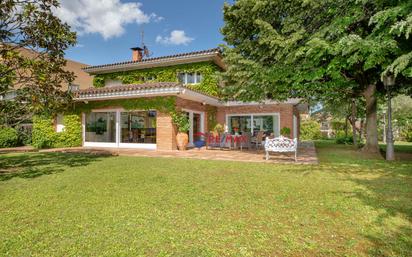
{"points": [[32, 165], [384, 186], [391, 195]]}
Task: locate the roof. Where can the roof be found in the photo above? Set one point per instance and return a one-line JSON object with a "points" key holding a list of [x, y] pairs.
{"points": [[140, 90], [213, 54]]}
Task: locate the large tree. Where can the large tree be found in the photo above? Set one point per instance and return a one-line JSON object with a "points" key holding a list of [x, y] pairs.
{"points": [[323, 49], [32, 44]]}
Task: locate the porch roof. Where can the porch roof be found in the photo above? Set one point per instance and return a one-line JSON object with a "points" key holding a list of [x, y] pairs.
{"points": [[145, 90]]}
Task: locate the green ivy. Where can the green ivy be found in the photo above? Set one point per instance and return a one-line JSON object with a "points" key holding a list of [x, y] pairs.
{"points": [[72, 134], [208, 70], [44, 135], [211, 117], [162, 104]]}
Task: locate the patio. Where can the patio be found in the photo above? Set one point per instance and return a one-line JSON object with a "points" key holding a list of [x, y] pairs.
{"points": [[306, 154]]}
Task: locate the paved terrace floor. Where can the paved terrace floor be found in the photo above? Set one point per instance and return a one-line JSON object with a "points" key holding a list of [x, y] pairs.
{"points": [[306, 154]]}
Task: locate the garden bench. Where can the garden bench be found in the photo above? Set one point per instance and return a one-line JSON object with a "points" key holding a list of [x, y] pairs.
{"points": [[281, 144]]}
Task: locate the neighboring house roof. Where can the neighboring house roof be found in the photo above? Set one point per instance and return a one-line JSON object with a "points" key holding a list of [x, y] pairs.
{"points": [[82, 78], [213, 55]]}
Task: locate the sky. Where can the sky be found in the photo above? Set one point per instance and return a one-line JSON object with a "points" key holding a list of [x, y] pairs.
{"points": [[107, 29]]}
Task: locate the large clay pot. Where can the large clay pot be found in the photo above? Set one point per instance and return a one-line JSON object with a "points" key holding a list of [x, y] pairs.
{"points": [[182, 140]]}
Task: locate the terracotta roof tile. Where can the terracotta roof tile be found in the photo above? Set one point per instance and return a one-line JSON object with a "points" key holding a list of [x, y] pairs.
{"points": [[161, 58], [131, 87]]}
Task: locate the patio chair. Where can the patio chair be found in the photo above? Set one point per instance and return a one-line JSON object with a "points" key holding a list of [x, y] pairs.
{"points": [[258, 140], [226, 141], [212, 140]]}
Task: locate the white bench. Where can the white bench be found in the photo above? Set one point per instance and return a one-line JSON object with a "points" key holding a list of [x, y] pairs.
{"points": [[281, 144]]}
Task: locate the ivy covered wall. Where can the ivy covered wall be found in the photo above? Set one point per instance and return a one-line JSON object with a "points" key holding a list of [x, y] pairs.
{"points": [[44, 135], [208, 70]]}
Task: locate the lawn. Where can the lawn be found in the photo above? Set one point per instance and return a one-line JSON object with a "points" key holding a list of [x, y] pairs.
{"points": [[84, 205]]}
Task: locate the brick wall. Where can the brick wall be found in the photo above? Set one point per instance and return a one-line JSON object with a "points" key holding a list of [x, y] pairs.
{"points": [[285, 110], [165, 132]]}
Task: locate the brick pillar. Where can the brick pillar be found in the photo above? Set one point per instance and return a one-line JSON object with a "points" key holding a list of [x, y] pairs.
{"points": [[165, 132], [286, 117]]}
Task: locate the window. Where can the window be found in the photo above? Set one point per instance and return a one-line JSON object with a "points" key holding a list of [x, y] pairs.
{"points": [[101, 127], [190, 77], [73, 87], [112, 83], [253, 123], [138, 127]]}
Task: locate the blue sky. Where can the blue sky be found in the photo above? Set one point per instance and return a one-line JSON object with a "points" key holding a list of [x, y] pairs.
{"points": [[106, 33]]}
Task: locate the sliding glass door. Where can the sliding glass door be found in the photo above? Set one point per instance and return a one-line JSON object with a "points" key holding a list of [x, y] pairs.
{"points": [[128, 129], [253, 123]]}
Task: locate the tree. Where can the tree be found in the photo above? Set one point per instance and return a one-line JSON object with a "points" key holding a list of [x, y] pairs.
{"points": [[32, 44], [329, 49]]}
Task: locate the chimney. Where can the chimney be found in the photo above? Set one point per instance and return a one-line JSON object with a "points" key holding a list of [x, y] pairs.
{"points": [[137, 55]]}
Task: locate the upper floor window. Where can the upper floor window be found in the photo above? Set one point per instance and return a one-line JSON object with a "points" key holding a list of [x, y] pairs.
{"points": [[190, 77], [73, 87], [112, 83]]}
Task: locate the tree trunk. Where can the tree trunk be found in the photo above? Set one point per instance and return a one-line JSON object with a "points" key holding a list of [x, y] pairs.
{"points": [[371, 145], [353, 122]]}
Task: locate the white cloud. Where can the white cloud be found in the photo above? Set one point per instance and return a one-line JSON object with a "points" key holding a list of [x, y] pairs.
{"points": [[177, 37], [105, 17]]}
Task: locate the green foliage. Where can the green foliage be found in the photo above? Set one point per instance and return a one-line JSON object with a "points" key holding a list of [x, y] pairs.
{"points": [[8, 137], [310, 130], [218, 128], [208, 70], [162, 104], [332, 49], [285, 131], [344, 140], [27, 25], [72, 133], [211, 117], [24, 136], [44, 135], [181, 121]]}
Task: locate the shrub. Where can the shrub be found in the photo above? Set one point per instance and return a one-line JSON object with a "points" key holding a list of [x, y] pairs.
{"points": [[8, 137], [285, 132], [24, 135], [310, 130], [44, 135], [344, 140]]}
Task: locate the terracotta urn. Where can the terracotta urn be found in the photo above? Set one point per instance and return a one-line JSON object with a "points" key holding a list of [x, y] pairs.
{"points": [[182, 139]]}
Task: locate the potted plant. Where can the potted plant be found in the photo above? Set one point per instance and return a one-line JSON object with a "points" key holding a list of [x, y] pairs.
{"points": [[285, 132], [182, 123]]}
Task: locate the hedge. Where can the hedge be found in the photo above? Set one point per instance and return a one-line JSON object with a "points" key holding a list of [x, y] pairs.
{"points": [[310, 130], [8, 137], [45, 136]]}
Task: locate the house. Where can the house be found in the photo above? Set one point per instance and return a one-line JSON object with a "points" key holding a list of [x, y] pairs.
{"points": [[130, 103]]}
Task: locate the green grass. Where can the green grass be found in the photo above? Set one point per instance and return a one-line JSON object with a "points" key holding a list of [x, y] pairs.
{"points": [[83, 205]]}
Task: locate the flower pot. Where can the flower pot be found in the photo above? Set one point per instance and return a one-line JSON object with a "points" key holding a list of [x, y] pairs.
{"points": [[182, 139]]}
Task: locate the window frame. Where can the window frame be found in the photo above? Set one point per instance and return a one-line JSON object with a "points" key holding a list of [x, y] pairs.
{"points": [[196, 76]]}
